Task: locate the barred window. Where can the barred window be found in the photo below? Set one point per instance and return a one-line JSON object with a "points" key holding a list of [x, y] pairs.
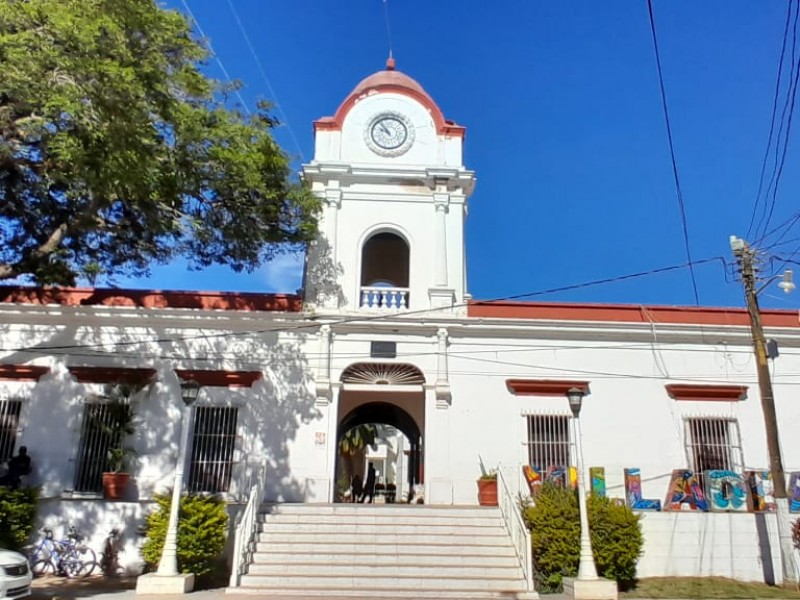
{"points": [[212, 448], [713, 443], [97, 437], [9, 426], [548, 441]]}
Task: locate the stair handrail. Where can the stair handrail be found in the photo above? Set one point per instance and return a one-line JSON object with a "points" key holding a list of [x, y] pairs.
{"points": [[246, 527], [520, 536]]}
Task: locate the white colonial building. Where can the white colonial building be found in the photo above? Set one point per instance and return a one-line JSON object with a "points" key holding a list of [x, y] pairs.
{"points": [[385, 331]]}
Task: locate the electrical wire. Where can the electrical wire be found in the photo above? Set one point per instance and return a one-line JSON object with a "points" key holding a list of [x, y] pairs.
{"points": [[772, 118], [383, 317], [789, 105], [207, 43], [679, 193], [273, 95]]}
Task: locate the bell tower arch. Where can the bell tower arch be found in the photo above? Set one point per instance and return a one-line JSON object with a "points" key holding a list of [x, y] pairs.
{"points": [[388, 167]]}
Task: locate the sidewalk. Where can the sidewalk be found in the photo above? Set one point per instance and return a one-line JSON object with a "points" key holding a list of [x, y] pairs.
{"points": [[104, 588]]}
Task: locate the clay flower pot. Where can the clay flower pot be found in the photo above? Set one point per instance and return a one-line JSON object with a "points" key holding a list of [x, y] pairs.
{"points": [[487, 492]]}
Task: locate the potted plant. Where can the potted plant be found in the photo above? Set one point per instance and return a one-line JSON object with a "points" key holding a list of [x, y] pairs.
{"points": [[487, 489], [117, 426]]}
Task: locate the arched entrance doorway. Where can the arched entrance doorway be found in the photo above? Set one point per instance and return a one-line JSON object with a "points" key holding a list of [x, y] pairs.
{"points": [[381, 420]]}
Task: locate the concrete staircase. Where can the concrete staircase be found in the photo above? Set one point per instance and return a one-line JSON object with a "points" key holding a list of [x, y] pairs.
{"points": [[383, 552]]}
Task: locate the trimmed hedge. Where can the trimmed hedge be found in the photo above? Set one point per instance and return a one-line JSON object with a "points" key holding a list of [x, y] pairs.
{"points": [[17, 515], [202, 526], [554, 522]]}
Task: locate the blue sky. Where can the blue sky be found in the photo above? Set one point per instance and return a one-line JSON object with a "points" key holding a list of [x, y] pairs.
{"points": [[565, 129]]}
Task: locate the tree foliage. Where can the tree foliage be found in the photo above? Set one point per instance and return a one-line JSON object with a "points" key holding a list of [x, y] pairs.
{"points": [[17, 515], [202, 525], [116, 151], [554, 522]]}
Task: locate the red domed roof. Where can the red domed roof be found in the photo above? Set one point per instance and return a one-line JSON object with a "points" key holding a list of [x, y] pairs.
{"points": [[390, 80]]}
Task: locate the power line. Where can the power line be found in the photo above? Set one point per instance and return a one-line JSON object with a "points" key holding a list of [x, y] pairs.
{"points": [[207, 43], [263, 73], [789, 105], [772, 118], [362, 319], [678, 191]]}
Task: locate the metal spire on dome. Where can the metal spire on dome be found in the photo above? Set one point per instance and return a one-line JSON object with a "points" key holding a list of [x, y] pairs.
{"points": [[390, 60]]}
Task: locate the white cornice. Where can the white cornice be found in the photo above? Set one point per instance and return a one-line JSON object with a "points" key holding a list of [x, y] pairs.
{"points": [[347, 173]]}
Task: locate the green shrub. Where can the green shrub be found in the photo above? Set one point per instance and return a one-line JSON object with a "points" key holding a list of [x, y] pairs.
{"points": [[17, 515], [202, 526], [554, 522]]}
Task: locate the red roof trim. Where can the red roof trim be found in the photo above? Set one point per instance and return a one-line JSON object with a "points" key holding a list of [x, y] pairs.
{"points": [[151, 299], [627, 313], [221, 378], [111, 374], [544, 387], [443, 126], [730, 393], [22, 372]]}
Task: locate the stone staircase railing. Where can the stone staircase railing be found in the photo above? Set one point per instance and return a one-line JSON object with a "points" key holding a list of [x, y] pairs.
{"points": [[509, 507]]}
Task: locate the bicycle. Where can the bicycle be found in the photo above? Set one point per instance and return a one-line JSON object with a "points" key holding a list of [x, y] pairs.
{"points": [[69, 557]]}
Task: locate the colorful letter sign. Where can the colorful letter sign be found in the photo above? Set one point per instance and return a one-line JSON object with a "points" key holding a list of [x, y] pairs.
{"points": [[684, 490], [726, 491], [633, 492]]}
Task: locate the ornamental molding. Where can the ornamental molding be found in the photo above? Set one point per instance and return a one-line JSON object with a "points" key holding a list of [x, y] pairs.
{"points": [[545, 387], [392, 374], [701, 392]]}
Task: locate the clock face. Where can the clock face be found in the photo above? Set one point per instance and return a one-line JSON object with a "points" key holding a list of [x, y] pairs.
{"points": [[389, 134]]}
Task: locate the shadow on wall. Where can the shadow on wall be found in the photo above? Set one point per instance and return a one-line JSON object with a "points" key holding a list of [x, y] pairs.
{"points": [[269, 417], [322, 276]]}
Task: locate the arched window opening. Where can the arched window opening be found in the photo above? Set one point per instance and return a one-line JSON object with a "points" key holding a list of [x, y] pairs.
{"points": [[385, 272]]}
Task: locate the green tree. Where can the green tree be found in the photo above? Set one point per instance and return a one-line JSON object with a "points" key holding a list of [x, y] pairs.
{"points": [[117, 152]]}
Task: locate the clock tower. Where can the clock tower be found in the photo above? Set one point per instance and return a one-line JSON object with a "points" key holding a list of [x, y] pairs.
{"points": [[388, 167]]}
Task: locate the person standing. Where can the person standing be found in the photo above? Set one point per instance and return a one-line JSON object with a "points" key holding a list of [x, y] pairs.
{"points": [[369, 485]]}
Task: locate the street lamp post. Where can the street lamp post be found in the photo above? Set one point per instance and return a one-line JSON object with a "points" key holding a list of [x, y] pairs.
{"points": [[586, 567], [167, 579], [587, 586]]}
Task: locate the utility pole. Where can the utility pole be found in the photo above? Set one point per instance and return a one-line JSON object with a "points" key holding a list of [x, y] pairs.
{"points": [[745, 256]]}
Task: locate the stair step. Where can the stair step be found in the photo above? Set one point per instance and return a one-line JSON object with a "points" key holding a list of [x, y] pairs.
{"points": [[335, 556], [357, 527], [337, 547], [309, 593], [384, 584], [357, 570], [379, 518], [381, 509], [372, 537]]}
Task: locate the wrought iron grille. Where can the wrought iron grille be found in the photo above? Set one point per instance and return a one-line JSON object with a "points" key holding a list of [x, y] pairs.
{"points": [[548, 441], [96, 439], [713, 443], [212, 448], [9, 425]]}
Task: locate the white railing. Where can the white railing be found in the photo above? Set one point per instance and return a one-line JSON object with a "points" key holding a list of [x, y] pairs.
{"points": [[247, 528], [520, 536], [384, 298]]}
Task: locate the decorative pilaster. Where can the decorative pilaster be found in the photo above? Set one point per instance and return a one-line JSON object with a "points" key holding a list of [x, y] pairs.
{"points": [[333, 202], [323, 386], [441, 202], [442, 385]]}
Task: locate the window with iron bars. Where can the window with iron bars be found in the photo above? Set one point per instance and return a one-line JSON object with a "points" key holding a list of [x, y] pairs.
{"points": [[212, 448], [713, 443], [97, 437], [9, 426], [548, 441]]}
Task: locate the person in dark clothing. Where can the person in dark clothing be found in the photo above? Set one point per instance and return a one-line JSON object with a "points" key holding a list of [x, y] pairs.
{"points": [[357, 488], [369, 486], [18, 466]]}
